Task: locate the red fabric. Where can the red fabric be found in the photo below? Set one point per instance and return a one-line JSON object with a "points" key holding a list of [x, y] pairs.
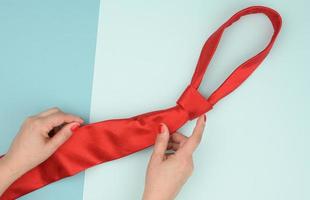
{"points": [[100, 142]]}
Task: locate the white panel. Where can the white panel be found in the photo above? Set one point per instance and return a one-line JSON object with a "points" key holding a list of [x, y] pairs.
{"points": [[255, 141]]}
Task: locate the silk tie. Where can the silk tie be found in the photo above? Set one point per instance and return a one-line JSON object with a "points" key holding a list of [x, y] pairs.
{"points": [[104, 141]]}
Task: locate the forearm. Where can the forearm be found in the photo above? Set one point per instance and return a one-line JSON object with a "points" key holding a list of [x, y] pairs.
{"points": [[8, 174], [33, 145], [157, 195], [160, 191]]}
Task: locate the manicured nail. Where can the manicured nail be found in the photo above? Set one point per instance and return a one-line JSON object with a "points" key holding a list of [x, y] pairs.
{"points": [[204, 118], [161, 128], [74, 127]]}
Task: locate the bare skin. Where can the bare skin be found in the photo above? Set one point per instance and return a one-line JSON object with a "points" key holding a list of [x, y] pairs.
{"points": [[32, 145], [166, 174]]}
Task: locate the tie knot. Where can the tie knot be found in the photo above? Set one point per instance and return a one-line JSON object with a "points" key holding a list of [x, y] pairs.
{"points": [[194, 103]]}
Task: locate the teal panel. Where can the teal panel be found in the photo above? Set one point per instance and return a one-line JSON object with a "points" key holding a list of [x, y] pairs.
{"points": [[47, 51]]}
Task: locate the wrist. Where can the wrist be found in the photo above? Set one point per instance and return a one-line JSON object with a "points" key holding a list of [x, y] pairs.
{"points": [[10, 168], [7, 176], [157, 195]]}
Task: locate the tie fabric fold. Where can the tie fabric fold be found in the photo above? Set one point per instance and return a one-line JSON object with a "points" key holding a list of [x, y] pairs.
{"points": [[108, 140]]}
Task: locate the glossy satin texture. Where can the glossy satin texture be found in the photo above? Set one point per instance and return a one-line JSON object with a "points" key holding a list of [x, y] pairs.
{"points": [[108, 140]]}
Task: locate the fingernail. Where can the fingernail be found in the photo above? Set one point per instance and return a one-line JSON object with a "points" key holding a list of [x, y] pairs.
{"points": [[161, 128], [204, 118], [74, 127]]}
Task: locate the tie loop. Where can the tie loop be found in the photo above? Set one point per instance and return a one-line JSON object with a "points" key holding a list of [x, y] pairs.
{"points": [[241, 73], [194, 103]]}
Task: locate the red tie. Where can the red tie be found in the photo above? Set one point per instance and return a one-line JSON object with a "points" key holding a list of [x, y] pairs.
{"points": [[100, 142]]}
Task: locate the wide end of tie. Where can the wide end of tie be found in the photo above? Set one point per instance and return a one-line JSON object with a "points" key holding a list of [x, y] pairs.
{"points": [[194, 103]]}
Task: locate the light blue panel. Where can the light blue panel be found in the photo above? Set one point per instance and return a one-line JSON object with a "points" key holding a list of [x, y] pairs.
{"points": [[256, 142], [47, 53]]}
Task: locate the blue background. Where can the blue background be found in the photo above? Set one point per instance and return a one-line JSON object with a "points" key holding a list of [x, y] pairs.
{"points": [[47, 51], [256, 144]]}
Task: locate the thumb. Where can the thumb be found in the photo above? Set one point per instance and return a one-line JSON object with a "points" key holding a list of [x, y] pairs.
{"points": [[63, 135], [161, 143]]}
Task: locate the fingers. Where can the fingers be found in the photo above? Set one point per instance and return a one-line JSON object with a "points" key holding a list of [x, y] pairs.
{"points": [[173, 146], [59, 118], [194, 140], [55, 130], [161, 144], [178, 138], [53, 120], [176, 141], [62, 136], [49, 111]]}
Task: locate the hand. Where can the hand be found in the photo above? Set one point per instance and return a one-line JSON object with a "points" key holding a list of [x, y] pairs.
{"points": [[34, 144], [167, 172]]}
